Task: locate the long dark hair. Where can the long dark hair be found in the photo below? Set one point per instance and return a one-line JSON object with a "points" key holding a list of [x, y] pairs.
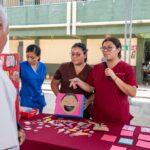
{"points": [[116, 42]]}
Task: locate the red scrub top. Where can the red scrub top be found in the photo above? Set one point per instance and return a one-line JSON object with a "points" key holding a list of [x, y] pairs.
{"points": [[110, 103]]}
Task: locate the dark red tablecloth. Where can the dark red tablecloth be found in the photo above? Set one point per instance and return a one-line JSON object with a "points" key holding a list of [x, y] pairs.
{"points": [[49, 139]]}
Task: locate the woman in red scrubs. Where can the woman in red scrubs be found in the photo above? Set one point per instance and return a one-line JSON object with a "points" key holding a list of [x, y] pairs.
{"points": [[113, 83]]}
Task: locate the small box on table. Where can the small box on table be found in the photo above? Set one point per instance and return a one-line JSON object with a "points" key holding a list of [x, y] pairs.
{"points": [[69, 105], [27, 112]]}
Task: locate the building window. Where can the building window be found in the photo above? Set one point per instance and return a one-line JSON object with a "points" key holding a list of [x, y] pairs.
{"points": [[37, 2], [21, 2]]}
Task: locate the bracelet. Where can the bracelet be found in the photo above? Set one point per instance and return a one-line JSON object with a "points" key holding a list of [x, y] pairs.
{"points": [[116, 78]]}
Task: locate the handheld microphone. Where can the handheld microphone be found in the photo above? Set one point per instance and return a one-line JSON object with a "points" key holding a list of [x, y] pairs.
{"points": [[106, 66]]}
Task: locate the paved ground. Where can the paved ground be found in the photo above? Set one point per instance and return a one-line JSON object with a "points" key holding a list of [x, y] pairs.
{"points": [[139, 106]]}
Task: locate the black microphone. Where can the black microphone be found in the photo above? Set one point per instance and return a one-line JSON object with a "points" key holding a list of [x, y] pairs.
{"points": [[106, 66]]}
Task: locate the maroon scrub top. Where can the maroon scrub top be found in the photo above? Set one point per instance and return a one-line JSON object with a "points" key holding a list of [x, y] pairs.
{"points": [[110, 103], [67, 71]]}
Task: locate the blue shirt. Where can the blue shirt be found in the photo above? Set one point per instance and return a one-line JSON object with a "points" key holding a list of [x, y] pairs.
{"points": [[31, 82]]}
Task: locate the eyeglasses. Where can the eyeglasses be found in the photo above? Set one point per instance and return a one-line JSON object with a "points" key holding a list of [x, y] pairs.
{"points": [[75, 54], [109, 48]]}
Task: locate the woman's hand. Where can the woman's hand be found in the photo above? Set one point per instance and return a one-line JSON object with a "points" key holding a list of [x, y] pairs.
{"points": [[110, 72], [21, 136], [74, 82], [83, 85]]}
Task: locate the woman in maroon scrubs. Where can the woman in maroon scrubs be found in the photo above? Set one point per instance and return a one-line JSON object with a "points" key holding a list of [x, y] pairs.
{"points": [[113, 82]]}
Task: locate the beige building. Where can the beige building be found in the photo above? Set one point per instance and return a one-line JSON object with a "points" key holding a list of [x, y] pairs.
{"points": [[57, 51]]}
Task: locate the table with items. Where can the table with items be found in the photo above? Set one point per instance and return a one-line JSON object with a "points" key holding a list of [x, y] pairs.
{"points": [[46, 131]]}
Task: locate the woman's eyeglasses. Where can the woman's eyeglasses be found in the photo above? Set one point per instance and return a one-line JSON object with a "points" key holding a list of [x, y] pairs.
{"points": [[75, 54], [109, 48]]}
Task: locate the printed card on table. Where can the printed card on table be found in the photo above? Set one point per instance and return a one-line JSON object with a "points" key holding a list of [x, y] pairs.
{"points": [[145, 129], [126, 141], [71, 105], [144, 137], [126, 133], [110, 138], [129, 128], [114, 147], [143, 144]]}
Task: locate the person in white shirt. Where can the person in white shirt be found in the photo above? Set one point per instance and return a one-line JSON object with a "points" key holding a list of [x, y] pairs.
{"points": [[8, 126]]}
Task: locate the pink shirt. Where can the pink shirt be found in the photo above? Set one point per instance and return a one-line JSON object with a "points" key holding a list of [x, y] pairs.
{"points": [[110, 103]]}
